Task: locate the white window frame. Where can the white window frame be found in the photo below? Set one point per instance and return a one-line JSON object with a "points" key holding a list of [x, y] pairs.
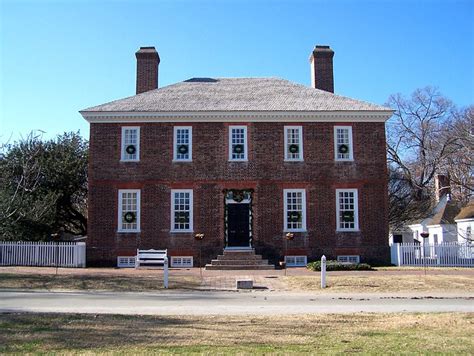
{"points": [[356, 210], [351, 145], [178, 261], [291, 261], [303, 210], [300, 145], [126, 261], [120, 212], [191, 208], [245, 144], [123, 153], [175, 143], [348, 258]]}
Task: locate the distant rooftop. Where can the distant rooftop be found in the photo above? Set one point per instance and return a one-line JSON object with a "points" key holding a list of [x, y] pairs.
{"points": [[467, 212]]}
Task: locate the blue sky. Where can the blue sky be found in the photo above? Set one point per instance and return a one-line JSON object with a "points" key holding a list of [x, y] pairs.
{"points": [[57, 57]]}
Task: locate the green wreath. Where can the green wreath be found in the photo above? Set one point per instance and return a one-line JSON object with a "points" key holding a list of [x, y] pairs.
{"points": [[294, 216], [238, 149], [343, 149], [131, 149], [183, 149], [129, 217], [294, 148], [348, 216]]}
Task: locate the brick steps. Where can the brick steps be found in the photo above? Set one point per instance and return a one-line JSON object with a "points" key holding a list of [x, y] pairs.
{"points": [[210, 267], [239, 260]]}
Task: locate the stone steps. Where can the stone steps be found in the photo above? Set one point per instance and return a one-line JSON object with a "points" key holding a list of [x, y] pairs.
{"points": [[234, 259]]}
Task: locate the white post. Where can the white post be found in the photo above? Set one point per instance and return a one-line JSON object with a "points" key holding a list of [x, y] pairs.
{"points": [[323, 272], [82, 254], [165, 272], [399, 258]]}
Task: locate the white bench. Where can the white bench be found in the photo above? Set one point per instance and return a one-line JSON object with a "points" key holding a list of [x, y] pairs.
{"points": [[155, 257]]}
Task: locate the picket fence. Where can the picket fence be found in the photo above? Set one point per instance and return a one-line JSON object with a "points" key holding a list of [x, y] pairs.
{"points": [[47, 254], [451, 254]]}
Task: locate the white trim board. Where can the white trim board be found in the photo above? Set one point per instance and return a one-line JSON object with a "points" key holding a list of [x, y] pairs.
{"points": [[237, 116]]}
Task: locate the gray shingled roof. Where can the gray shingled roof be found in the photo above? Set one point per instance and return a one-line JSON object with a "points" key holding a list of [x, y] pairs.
{"points": [[467, 212], [235, 94]]}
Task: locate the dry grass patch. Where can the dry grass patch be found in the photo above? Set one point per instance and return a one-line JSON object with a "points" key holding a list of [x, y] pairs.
{"points": [[358, 283], [365, 333], [95, 282]]}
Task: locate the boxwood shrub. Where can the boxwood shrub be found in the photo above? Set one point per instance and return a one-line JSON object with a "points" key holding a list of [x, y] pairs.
{"points": [[332, 265]]}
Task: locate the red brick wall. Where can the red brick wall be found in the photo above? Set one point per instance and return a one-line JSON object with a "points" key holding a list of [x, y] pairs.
{"points": [[147, 70], [265, 172]]}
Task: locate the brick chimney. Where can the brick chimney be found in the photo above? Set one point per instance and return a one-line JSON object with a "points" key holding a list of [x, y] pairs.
{"points": [[321, 68], [442, 186], [147, 69]]}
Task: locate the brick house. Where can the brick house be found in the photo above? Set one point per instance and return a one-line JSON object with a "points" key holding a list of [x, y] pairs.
{"points": [[244, 161]]}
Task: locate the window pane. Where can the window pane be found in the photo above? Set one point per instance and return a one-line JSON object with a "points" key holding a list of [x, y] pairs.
{"points": [[294, 210], [130, 144], [182, 143], [346, 210], [238, 143], [181, 208], [343, 143], [293, 144], [129, 211]]}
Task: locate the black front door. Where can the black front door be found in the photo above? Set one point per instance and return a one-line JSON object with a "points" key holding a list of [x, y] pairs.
{"points": [[238, 225]]}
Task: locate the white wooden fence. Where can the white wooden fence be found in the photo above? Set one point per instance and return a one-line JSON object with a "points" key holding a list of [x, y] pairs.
{"points": [[451, 254], [26, 253]]}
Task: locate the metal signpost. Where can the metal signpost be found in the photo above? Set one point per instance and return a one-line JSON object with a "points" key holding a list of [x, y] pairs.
{"points": [[424, 235], [200, 237]]}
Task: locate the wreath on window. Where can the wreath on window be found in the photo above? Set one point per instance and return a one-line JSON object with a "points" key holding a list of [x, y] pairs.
{"points": [[343, 149], [183, 149], [348, 216], [131, 149], [181, 217], [294, 216], [294, 148], [129, 217], [238, 149], [238, 195]]}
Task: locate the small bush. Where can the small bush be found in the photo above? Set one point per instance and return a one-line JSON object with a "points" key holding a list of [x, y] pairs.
{"points": [[339, 266]]}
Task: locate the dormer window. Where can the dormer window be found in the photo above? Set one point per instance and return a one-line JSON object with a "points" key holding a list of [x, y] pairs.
{"points": [[182, 143], [237, 143], [343, 143], [130, 143], [293, 143]]}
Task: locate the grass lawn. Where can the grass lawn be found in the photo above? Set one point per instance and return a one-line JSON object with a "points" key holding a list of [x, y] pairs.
{"points": [[355, 333], [365, 283], [388, 280], [95, 282]]}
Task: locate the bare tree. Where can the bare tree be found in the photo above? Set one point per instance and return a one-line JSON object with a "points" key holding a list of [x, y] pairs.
{"points": [[460, 163], [425, 136]]}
